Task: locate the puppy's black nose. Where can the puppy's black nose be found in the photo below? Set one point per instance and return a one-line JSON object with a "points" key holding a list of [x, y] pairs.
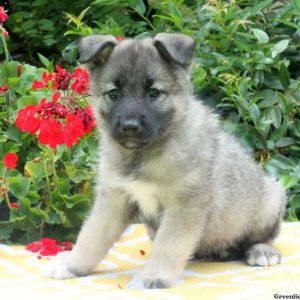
{"points": [[130, 126]]}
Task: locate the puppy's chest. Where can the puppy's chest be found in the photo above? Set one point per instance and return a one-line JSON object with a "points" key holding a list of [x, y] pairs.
{"points": [[148, 196]]}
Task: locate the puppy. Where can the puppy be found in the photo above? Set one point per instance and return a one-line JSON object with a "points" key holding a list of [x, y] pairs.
{"points": [[164, 158]]}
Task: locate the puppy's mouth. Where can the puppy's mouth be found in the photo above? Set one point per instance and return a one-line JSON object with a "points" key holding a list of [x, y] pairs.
{"points": [[134, 144]]}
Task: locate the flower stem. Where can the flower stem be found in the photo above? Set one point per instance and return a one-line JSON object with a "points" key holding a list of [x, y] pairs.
{"points": [[5, 47], [53, 165], [5, 193]]}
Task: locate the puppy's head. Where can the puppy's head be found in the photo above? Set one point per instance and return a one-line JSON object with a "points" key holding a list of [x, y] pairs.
{"points": [[140, 87]]}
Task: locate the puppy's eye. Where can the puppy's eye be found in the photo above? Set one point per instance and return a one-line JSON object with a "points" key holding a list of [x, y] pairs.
{"points": [[153, 94], [113, 94]]}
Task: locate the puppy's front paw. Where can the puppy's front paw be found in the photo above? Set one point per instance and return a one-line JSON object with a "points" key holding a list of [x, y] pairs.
{"points": [[57, 270], [140, 282], [65, 266]]}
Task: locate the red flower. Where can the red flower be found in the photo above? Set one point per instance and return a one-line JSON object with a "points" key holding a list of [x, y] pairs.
{"points": [[34, 247], [38, 85], [62, 78], [66, 245], [51, 109], [119, 38], [142, 252], [87, 117], [73, 129], [81, 83], [14, 205], [51, 133], [42, 84], [10, 160], [3, 15], [26, 119], [48, 247], [3, 88]]}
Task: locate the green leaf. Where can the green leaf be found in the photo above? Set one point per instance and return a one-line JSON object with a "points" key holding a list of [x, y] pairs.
{"points": [[279, 47], [13, 81], [284, 75], [46, 62], [258, 136], [296, 4], [77, 174], [278, 133], [6, 229], [18, 186], [13, 133], [285, 141], [254, 112], [288, 181], [27, 100], [281, 162], [269, 98], [35, 170], [295, 201], [275, 116], [261, 36], [3, 137], [53, 218], [69, 201], [138, 5]]}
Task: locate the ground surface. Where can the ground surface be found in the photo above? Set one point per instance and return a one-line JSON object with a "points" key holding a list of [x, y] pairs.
{"points": [[20, 274]]}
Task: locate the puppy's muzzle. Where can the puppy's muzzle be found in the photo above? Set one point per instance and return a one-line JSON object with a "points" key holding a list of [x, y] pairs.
{"points": [[133, 132], [130, 127]]}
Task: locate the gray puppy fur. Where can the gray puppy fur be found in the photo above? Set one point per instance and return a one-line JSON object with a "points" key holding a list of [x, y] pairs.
{"points": [[165, 158]]}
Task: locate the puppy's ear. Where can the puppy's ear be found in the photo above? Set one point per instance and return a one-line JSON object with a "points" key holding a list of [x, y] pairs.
{"points": [[96, 48], [175, 47]]}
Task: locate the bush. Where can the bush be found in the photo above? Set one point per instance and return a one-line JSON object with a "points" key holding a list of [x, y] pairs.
{"points": [[246, 68]]}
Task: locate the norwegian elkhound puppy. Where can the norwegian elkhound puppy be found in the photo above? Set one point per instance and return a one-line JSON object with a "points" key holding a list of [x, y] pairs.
{"points": [[165, 158]]}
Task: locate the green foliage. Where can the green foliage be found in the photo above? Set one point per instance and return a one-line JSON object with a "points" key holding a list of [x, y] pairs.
{"points": [[39, 26]]}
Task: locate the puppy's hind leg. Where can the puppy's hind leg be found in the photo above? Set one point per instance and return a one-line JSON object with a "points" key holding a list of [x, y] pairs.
{"points": [[260, 252], [262, 255], [109, 218]]}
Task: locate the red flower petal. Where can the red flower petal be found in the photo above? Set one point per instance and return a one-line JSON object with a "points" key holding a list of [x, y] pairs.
{"points": [[10, 160], [3, 15], [33, 247], [119, 38], [26, 119], [51, 252], [51, 133], [62, 78], [55, 97], [73, 129], [3, 88], [66, 245], [38, 85], [14, 205], [81, 81]]}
